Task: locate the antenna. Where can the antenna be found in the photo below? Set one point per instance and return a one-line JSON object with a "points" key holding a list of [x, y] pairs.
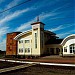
{"points": [[37, 18]]}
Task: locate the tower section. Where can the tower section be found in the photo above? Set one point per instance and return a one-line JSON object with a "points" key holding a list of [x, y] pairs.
{"points": [[37, 38]]}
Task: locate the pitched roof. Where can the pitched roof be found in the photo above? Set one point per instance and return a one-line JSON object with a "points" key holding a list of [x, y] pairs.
{"points": [[53, 41]]}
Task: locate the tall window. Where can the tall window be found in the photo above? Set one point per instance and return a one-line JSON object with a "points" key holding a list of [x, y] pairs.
{"points": [[72, 48], [65, 49], [35, 40], [42, 39]]}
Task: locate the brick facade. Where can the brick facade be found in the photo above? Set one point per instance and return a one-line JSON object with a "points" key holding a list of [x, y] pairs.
{"points": [[11, 44]]}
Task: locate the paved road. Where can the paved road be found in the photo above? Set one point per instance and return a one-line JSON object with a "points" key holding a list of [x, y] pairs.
{"points": [[16, 67]]}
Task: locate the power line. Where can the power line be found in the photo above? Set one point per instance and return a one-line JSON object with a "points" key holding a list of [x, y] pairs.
{"points": [[14, 6]]}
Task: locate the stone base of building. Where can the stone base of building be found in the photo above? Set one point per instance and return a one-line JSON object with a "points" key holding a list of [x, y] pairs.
{"points": [[26, 56], [11, 56]]}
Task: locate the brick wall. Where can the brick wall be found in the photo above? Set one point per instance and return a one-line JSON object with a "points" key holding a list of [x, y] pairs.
{"points": [[11, 44]]}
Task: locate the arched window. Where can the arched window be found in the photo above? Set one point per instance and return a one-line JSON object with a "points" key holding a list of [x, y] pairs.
{"points": [[72, 48]]}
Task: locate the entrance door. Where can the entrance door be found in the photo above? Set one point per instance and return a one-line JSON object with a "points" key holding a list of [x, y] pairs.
{"points": [[51, 51], [57, 51]]}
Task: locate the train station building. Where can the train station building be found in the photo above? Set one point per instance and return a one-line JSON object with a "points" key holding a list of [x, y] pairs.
{"points": [[38, 42]]}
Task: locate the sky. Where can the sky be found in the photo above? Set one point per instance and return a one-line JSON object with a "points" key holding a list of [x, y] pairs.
{"points": [[57, 15]]}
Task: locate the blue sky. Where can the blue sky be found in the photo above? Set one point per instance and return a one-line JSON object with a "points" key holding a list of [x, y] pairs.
{"points": [[58, 16]]}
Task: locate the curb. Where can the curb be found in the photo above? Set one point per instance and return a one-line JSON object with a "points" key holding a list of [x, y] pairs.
{"points": [[41, 63]]}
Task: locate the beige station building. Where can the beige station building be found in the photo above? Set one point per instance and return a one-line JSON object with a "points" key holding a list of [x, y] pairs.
{"points": [[40, 42]]}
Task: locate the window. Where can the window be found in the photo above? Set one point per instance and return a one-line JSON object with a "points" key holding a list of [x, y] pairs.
{"points": [[20, 50], [73, 51], [21, 41], [57, 50], [70, 51], [27, 41], [72, 48], [35, 40], [42, 39], [27, 50], [65, 49]]}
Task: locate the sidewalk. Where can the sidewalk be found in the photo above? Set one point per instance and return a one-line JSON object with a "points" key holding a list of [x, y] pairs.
{"points": [[53, 59], [40, 63], [50, 59]]}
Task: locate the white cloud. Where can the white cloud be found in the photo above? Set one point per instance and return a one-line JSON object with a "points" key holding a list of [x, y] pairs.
{"points": [[25, 26], [63, 35], [43, 3], [46, 15], [17, 13], [52, 14], [60, 27], [13, 15], [12, 3], [54, 10], [1, 1], [57, 28], [3, 45], [3, 31], [56, 18]]}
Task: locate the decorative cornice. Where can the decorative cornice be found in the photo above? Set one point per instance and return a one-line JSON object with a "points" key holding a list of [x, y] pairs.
{"points": [[67, 38], [37, 23]]}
